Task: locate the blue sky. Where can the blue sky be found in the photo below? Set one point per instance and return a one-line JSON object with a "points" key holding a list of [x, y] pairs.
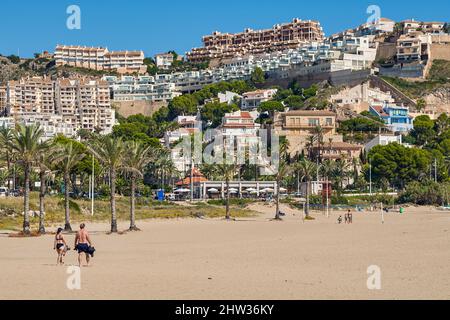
{"points": [[30, 26]]}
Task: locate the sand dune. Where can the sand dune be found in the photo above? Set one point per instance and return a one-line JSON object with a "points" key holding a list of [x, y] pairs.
{"points": [[250, 259]]}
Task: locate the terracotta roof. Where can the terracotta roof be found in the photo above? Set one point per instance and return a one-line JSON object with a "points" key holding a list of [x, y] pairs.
{"points": [[380, 111], [341, 146], [243, 115], [197, 177], [310, 113]]}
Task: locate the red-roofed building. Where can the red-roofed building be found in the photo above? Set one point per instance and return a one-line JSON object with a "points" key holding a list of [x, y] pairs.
{"points": [[240, 124], [197, 178]]}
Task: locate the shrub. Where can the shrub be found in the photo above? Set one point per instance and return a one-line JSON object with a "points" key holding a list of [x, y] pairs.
{"points": [[425, 193]]}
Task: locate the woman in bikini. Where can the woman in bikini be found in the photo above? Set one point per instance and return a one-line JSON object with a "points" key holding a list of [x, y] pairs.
{"points": [[60, 246]]}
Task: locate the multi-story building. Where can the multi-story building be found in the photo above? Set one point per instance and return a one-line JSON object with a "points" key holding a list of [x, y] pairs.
{"points": [[396, 118], [79, 103], [31, 95], [142, 88], [188, 125], [281, 37], [337, 151], [52, 125], [240, 124], [100, 59], [3, 98], [411, 26], [299, 126], [302, 129], [413, 47], [164, 60], [252, 100]]}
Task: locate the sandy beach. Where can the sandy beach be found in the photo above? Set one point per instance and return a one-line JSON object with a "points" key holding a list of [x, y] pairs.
{"points": [[252, 258]]}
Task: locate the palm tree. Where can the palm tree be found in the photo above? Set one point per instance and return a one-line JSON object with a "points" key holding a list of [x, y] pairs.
{"points": [[137, 158], [6, 138], [227, 171], [44, 162], [111, 152], [307, 170], [283, 170], [26, 144], [318, 137], [339, 174], [68, 156]]}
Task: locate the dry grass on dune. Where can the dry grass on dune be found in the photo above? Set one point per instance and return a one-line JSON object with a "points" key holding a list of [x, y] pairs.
{"points": [[80, 210]]}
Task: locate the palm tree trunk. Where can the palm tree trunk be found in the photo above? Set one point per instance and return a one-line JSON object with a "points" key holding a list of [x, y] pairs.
{"points": [[41, 202], [227, 206], [277, 199], [67, 226], [132, 204], [26, 201], [307, 199], [113, 201], [8, 163]]}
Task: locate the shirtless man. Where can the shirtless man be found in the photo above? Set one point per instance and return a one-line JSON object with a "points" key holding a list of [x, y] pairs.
{"points": [[82, 243]]}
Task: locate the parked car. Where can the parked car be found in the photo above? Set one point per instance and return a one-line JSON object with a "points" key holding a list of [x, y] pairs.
{"points": [[3, 192]]}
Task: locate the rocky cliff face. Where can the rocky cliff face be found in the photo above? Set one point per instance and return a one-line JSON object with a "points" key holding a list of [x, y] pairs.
{"points": [[439, 99], [9, 71]]}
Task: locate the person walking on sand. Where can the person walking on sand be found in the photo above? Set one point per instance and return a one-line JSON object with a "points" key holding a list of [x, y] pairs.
{"points": [[350, 217], [82, 244], [60, 246]]}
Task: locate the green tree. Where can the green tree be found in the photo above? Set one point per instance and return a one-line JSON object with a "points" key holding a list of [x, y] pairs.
{"points": [[398, 164], [6, 139], [137, 157], [271, 107], [45, 162], [294, 102], [26, 143], [67, 157], [423, 131], [258, 76], [111, 152], [214, 112], [227, 171], [183, 106], [306, 170]]}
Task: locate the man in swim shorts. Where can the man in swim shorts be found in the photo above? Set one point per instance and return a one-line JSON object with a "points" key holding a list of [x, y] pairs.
{"points": [[82, 244]]}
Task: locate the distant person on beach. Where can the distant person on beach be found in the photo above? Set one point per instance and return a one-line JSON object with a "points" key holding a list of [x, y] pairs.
{"points": [[340, 220], [350, 217], [60, 246], [83, 244]]}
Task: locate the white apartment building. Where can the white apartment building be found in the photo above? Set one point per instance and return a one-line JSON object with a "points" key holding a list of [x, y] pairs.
{"points": [[142, 88], [188, 125], [164, 60], [100, 59], [82, 103], [52, 125], [240, 124], [411, 26], [253, 99], [357, 53], [383, 140]]}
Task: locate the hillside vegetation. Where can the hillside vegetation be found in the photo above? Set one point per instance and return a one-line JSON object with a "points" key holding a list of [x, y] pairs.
{"points": [[440, 71], [416, 89]]}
